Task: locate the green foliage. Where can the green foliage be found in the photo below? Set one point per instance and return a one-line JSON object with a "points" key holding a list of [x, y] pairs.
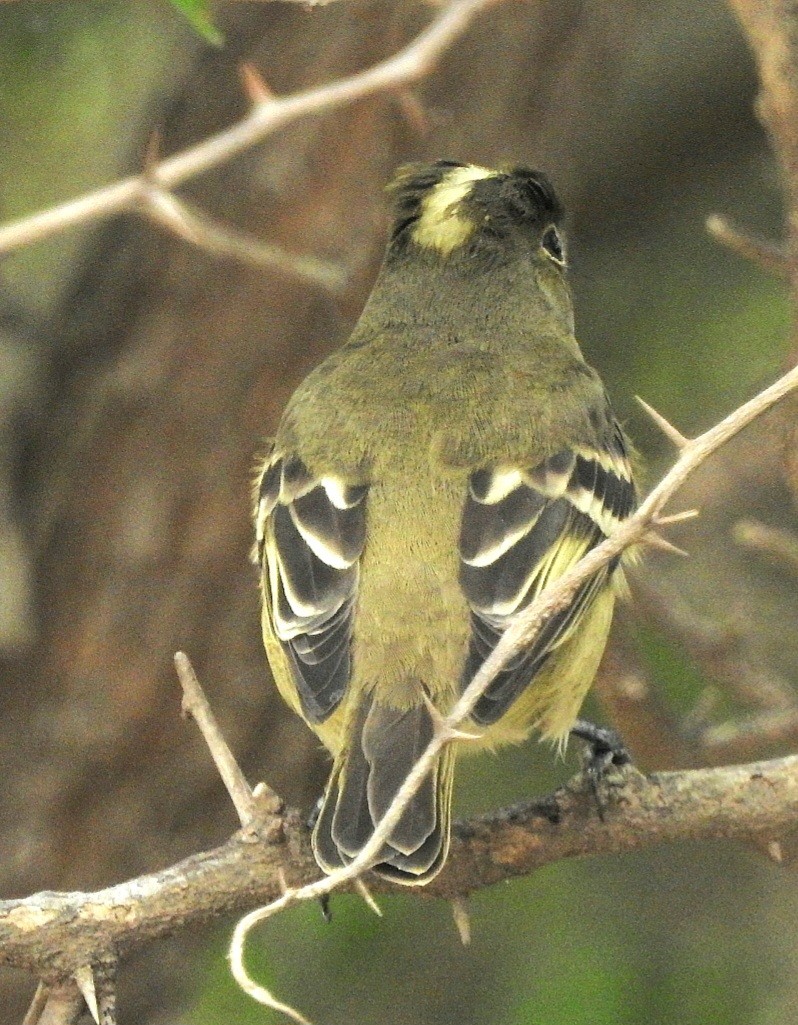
{"points": [[197, 13]]}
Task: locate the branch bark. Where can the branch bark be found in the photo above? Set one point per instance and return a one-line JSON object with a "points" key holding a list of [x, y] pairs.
{"points": [[53, 934]]}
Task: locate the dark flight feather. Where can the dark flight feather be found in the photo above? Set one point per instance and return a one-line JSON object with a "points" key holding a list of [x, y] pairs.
{"points": [[511, 548], [311, 534]]}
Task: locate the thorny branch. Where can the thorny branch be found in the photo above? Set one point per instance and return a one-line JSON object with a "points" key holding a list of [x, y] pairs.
{"points": [[268, 114], [51, 933]]}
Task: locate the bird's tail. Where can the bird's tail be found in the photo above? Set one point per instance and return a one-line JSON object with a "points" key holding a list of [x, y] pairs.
{"points": [[383, 746]]}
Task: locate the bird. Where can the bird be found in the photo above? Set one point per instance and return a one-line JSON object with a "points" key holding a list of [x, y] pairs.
{"points": [[426, 482]]}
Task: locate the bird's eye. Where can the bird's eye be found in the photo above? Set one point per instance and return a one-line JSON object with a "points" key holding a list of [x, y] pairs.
{"points": [[552, 243]]}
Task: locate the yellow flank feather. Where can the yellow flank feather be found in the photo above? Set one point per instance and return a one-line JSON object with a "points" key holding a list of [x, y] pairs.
{"points": [[442, 226]]}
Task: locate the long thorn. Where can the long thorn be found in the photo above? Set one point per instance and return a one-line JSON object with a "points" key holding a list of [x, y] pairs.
{"points": [[679, 517], [667, 428], [769, 256], [84, 977], [366, 894], [37, 1005], [654, 540], [462, 919]]}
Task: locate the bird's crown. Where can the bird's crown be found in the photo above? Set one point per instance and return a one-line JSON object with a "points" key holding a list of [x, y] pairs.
{"points": [[445, 206]]}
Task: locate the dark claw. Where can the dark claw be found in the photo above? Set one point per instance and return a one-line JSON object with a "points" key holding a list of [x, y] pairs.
{"points": [[326, 912], [605, 748], [602, 742]]}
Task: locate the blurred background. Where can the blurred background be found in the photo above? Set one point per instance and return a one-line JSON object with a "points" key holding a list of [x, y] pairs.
{"points": [[139, 377]]}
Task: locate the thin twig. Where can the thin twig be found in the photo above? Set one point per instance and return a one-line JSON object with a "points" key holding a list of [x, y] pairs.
{"points": [[64, 1005], [744, 738], [769, 26], [764, 254], [37, 1005], [635, 708], [196, 705], [405, 68], [779, 546], [719, 650], [194, 226]]}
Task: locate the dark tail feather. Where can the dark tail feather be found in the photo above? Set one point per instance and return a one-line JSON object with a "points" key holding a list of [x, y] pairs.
{"points": [[384, 745]]}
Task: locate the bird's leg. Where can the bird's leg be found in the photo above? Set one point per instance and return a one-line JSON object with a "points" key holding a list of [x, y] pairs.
{"points": [[604, 748]]}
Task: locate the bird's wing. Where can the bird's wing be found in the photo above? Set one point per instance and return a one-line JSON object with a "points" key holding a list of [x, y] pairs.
{"points": [[522, 527], [310, 534]]}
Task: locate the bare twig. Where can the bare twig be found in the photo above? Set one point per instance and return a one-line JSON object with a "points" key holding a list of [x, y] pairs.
{"points": [[64, 1005], [196, 705], [634, 707], [779, 546], [717, 650], [764, 254], [37, 1005], [193, 226], [743, 737], [413, 111], [769, 26], [405, 68]]}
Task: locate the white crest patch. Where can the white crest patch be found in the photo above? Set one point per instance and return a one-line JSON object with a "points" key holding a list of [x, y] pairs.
{"points": [[440, 226]]}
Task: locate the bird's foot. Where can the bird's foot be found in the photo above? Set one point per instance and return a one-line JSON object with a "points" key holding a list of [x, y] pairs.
{"points": [[605, 749]]}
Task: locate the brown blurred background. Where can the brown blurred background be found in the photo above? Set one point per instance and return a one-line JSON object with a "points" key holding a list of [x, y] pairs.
{"points": [[140, 377]]}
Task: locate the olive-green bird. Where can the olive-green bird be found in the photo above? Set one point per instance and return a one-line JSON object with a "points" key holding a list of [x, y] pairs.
{"points": [[427, 481]]}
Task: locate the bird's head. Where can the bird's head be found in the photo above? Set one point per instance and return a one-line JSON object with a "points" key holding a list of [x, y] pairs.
{"points": [[451, 211]]}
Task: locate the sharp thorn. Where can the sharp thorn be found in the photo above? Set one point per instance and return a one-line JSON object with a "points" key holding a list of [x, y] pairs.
{"points": [[667, 428], [255, 88], [451, 733], [654, 540], [324, 904], [439, 724], [84, 977], [365, 893], [462, 919], [679, 517]]}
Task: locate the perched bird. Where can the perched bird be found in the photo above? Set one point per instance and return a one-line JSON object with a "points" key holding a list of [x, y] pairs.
{"points": [[426, 482]]}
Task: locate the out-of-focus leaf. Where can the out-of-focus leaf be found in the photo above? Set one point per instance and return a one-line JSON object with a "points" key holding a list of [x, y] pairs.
{"points": [[197, 12]]}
